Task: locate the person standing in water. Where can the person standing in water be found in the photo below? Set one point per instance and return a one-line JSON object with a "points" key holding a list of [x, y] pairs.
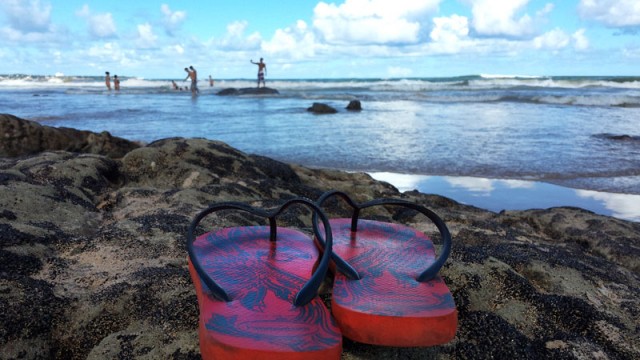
{"points": [[191, 73], [262, 71], [116, 82], [107, 80]]}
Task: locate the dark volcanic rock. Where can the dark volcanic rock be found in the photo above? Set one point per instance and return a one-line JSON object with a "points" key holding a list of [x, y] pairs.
{"points": [[24, 137], [320, 108], [354, 105], [623, 137], [227, 91], [29, 313], [93, 258], [248, 91]]}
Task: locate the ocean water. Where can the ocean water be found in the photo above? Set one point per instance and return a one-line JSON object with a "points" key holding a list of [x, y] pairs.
{"points": [[559, 135]]}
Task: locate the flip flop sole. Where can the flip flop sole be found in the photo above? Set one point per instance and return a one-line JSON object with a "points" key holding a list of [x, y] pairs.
{"points": [[388, 306], [262, 277]]}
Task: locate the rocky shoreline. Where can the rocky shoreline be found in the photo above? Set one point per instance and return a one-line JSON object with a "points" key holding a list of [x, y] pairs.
{"points": [[93, 258]]}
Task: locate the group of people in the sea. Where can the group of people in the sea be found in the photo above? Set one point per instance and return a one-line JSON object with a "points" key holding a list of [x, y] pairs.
{"points": [[116, 81], [193, 75]]}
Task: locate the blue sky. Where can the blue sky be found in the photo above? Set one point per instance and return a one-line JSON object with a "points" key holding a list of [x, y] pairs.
{"points": [[321, 39]]}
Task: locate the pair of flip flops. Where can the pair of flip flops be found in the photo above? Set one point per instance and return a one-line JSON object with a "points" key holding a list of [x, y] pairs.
{"points": [[263, 302]]}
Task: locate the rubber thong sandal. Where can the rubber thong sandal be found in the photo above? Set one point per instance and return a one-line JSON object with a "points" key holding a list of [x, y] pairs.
{"points": [[386, 288], [263, 303]]}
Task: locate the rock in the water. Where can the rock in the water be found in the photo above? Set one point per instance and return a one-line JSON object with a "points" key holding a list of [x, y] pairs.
{"points": [[620, 137], [248, 91], [227, 92], [320, 108], [354, 105], [25, 137]]}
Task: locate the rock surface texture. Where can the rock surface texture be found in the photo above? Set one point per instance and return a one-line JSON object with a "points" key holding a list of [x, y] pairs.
{"points": [[93, 258], [23, 137]]}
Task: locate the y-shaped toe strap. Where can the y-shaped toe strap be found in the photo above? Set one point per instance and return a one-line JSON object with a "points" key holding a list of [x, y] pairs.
{"points": [[348, 270], [309, 289]]}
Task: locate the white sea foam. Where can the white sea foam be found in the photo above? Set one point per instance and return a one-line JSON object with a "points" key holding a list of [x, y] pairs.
{"points": [[497, 76]]}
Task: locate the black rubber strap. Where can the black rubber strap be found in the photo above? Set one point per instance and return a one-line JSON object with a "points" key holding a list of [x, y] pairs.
{"points": [[349, 271], [309, 289]]}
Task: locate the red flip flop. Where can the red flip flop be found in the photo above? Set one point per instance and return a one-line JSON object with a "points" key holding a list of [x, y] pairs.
{"points": [[386, 289], [263, 303]]}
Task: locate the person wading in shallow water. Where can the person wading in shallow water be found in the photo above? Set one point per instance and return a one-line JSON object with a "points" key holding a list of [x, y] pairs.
{"points": [[194, 79], [116, 82], [107, 80], [262, 71]]}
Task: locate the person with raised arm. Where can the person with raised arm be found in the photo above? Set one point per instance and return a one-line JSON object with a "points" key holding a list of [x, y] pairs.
{"points": [[262, 71]]}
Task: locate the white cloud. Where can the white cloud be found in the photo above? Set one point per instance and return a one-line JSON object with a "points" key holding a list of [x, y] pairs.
{"points": [[615, 13], [27, 16], [372, 21], [545, 10], [112, 56], [29, 21], [236, 40], [172, 19], [581, 42], [12, 35], [175, 49], [108, 51], [554, 40], [449, 33], [557, 39], [236, 29], [501, 18], [146, 37], [100, 25], [296, 42]]}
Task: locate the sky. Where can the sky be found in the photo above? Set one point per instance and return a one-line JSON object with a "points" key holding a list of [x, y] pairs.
{"points": [[308, 39]]}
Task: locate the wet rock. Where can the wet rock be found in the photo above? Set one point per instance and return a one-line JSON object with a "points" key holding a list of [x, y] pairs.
{"points": [[622, 137], [24, 137], [227, 92], [354, 105], [618, 137], [320, 108], [248, 91]]}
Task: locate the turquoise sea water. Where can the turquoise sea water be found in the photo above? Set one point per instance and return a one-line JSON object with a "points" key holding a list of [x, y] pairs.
{"points": [[563, 134]]}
